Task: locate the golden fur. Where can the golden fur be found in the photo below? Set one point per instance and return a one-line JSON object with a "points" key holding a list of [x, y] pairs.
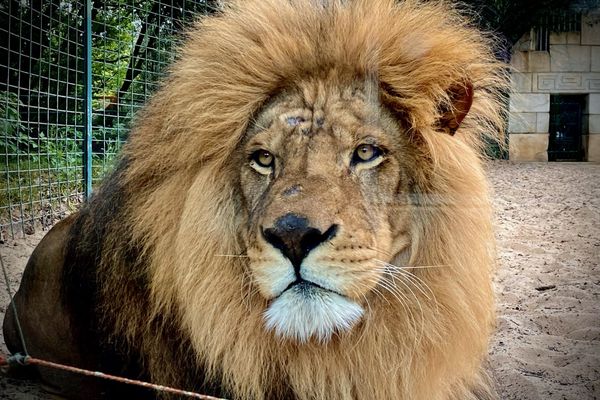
{"points": [[181, 201], [180, 172]]}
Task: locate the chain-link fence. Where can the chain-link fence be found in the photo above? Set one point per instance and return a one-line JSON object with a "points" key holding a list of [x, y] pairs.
{"points": [[72, 74]]}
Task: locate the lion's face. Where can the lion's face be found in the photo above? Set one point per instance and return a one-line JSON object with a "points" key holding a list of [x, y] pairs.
{"points": [[325, 189]]}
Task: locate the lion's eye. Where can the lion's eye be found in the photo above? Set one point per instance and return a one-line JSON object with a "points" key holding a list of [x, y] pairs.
{"points": [[366, 153], [263, 158]]}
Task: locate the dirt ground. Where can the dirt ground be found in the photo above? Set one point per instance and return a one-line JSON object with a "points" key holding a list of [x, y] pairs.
{"points": [[547, 346]]}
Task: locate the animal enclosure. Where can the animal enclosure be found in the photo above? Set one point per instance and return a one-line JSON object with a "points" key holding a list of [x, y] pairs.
{"points": [[72, 75]]}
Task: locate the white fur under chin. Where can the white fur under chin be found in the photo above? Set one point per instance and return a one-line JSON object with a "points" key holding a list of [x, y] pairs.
{"points": [[306, 311]]}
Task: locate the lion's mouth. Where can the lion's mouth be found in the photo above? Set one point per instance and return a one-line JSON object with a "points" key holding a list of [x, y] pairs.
{"points": [[305, 287], [306, 310]]}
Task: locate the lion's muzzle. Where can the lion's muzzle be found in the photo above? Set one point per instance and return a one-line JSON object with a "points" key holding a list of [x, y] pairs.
{"points": [[293, 236], [304, 304]]}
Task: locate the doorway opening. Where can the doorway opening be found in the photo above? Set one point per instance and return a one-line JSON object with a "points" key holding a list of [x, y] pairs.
{"points": [[566, 117]]}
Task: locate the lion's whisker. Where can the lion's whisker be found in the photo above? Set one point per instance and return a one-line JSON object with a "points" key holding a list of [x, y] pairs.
{"points": [[377, 291], [417, 300], [378, 250], [232, 255], [425, 266], [392, 289], [398, 296], [412, 266], [402, 299], [418, 282], [391, 269]]}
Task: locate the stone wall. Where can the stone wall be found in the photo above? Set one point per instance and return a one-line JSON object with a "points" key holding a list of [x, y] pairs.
{"points": [[571, 66]]}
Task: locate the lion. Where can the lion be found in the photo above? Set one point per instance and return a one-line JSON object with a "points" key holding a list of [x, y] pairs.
{"points": [[300, 212]]}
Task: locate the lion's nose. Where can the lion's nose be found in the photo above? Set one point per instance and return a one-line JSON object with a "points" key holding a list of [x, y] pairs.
{"points": [[292, 235]]}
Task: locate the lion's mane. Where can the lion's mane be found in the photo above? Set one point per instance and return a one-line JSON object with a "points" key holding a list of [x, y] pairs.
{"points": [[161, 225]]}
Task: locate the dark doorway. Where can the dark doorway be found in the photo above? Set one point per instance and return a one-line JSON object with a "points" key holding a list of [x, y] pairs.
{"points": [[566, 115]]}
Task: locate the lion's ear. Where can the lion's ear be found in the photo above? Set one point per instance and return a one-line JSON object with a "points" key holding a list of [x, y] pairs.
{"points": [[453, 113]]}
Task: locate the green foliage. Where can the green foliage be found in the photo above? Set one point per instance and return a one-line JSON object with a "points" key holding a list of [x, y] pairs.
{"points": [[112, 45], [62, 146], [10, 124], [42, 91]]}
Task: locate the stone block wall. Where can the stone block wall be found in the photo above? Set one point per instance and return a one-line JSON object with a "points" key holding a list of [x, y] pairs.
{"points": [[592, 139], [571, 66]]}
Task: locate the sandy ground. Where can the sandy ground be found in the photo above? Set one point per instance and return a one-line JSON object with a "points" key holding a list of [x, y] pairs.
{"points": [[548, 228], [547, 346]]}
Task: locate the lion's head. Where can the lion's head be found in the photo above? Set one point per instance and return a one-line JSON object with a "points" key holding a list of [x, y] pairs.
{"points": [[307, 193], [324, 177]]}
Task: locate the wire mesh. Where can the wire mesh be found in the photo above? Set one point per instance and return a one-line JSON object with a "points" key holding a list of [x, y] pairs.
{"points": [[43, 94]]}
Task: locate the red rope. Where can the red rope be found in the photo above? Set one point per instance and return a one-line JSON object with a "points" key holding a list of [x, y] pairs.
{"points": [[27, 360]]}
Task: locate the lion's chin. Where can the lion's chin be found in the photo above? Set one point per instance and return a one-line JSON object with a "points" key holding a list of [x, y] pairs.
{"points": [[306, 311]]}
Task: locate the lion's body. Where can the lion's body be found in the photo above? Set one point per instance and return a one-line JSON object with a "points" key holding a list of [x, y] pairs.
{"points": [[146, 275]]}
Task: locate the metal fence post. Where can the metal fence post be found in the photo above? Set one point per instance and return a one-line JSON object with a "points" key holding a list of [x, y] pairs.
{"points": [[87, 101]]}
